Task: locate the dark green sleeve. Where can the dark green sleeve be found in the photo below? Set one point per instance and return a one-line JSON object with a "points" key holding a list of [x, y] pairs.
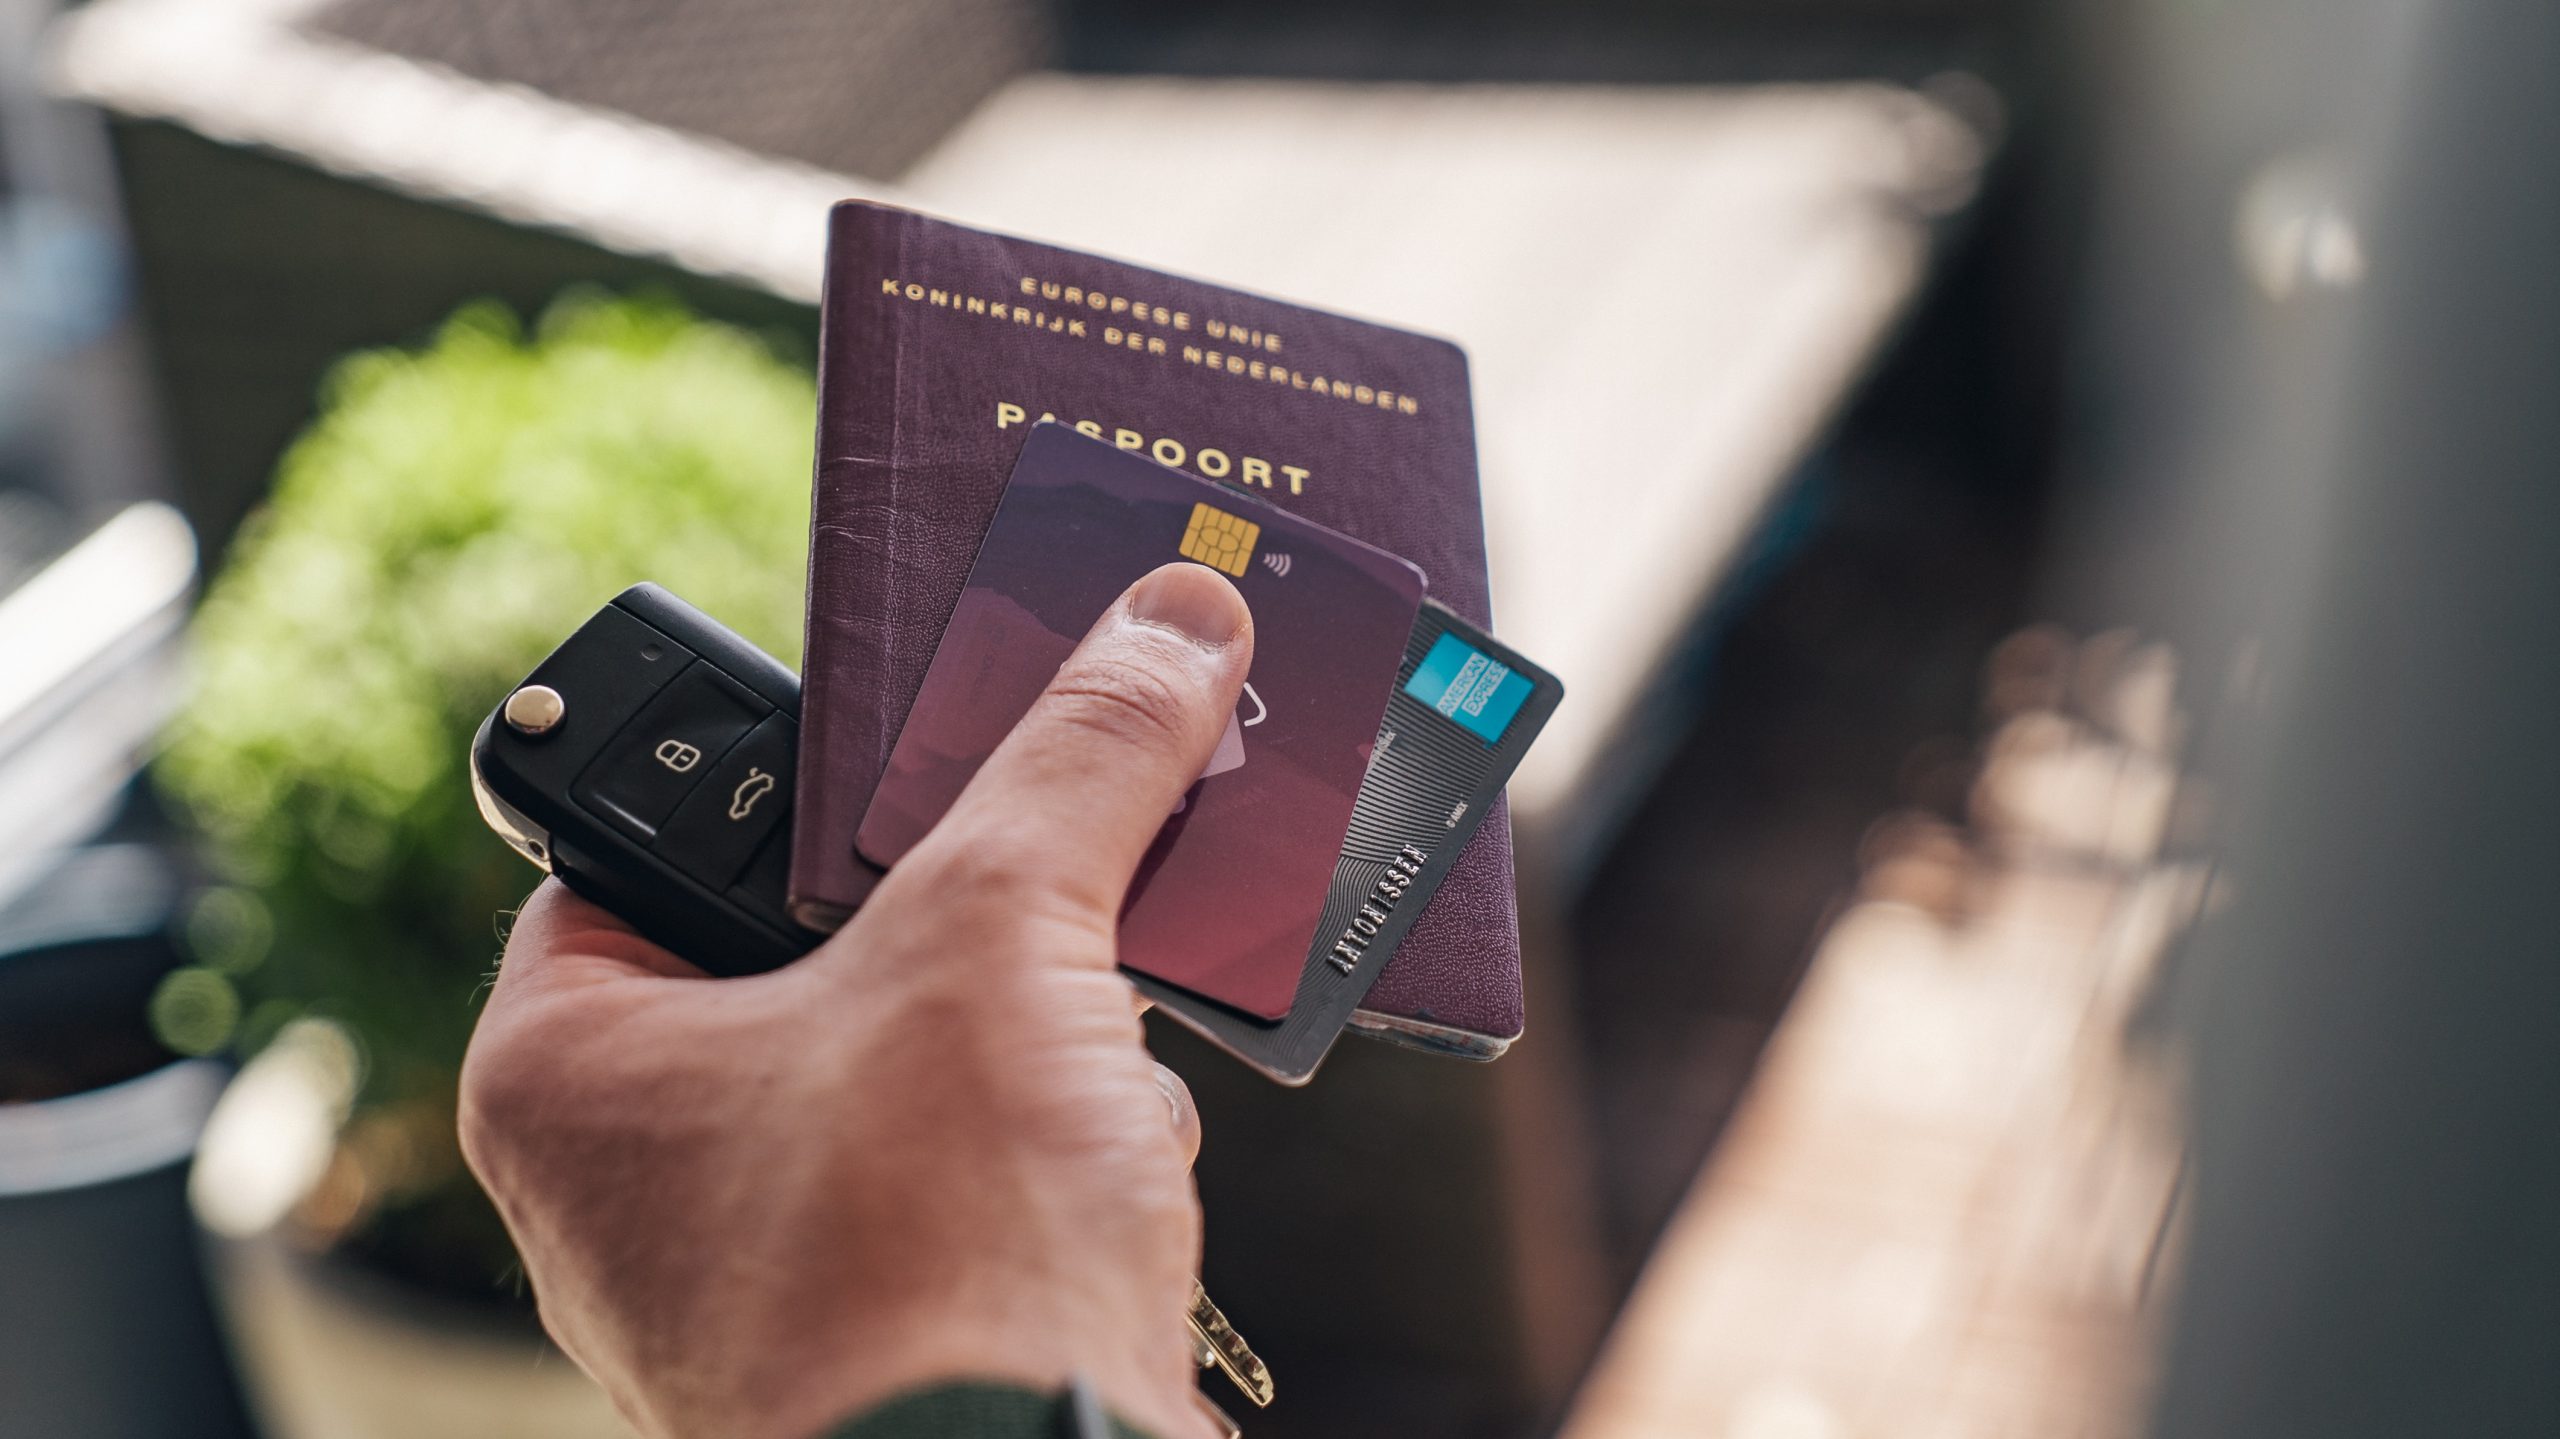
{"points": [[972, 1411]]}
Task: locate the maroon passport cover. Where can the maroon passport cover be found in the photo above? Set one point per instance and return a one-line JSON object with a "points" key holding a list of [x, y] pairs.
{"points": [[942, 346]]}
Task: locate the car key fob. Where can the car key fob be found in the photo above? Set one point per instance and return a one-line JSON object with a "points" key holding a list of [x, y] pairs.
{"points": [[647, 764]]}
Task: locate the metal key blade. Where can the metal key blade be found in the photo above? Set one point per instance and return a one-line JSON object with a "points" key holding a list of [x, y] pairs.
{"points": [[1215, 1342]]}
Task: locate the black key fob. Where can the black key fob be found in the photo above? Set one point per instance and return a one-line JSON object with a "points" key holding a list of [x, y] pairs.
{"points": [[648, 765]]}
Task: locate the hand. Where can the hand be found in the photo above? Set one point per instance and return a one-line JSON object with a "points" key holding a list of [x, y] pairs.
{"points": [[935, 1148]]}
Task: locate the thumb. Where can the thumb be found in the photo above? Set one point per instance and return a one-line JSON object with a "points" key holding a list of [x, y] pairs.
{"points": [[1068, 803]]}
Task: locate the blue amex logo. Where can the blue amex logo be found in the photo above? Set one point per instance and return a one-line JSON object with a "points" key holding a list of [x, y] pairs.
{"points": [[1469, 686]]}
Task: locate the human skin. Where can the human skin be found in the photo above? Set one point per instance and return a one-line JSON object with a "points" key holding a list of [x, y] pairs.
{"points": [[935, 1148]]}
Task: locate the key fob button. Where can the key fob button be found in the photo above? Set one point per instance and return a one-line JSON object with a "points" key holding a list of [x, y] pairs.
{"points": [[717, 828], [761, 890], [669, 750]]}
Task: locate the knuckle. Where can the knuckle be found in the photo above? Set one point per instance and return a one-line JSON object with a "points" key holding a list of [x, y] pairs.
{"points": [[481, 1109], [510, 1077], [1122, 699]]}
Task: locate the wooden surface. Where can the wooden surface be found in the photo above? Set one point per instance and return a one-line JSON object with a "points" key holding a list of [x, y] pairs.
{"points": [[1943, 1204]]}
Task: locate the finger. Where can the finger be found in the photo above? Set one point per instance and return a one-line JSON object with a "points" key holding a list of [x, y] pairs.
{"points": [[1186, 1114], [1071, 799], [561, 939]]}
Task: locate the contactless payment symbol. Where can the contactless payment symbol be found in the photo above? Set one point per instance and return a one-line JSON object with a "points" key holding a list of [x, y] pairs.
{"points": [[1222, 541], [1469, 686]]}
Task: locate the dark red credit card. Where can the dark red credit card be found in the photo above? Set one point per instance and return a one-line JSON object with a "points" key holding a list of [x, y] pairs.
{"points": [[1229, 897]]}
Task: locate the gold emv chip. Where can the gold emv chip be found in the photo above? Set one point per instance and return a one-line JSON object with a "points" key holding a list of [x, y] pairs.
{"points": [[1220, 540]]}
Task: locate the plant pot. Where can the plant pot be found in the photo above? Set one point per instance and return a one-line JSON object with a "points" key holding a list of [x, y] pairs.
{"points": [[329, 1348], [105, 1328]]}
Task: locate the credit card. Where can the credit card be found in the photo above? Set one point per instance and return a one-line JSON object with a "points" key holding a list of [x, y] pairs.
{"points": [[1463, 710], [1230, 897]]}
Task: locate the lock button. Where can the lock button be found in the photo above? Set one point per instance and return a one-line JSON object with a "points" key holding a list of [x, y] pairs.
{"points": [[717, 828], [668, 751]]}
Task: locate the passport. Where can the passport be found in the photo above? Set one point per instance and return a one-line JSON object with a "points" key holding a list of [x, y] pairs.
{"points": [[942, 346], [1227, 901]]}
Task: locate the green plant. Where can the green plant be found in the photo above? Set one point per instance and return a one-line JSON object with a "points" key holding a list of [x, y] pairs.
{"points": [[451, 514]]}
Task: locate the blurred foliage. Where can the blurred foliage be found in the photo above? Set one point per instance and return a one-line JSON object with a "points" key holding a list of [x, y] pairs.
{"points": [[452, 514]]}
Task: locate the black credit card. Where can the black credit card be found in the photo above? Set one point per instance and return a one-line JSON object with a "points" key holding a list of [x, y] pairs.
{"points": [[1465, 708]]}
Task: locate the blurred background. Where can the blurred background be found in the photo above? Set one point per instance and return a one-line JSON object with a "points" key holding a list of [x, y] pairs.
{"points": [[2039, 904]]}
